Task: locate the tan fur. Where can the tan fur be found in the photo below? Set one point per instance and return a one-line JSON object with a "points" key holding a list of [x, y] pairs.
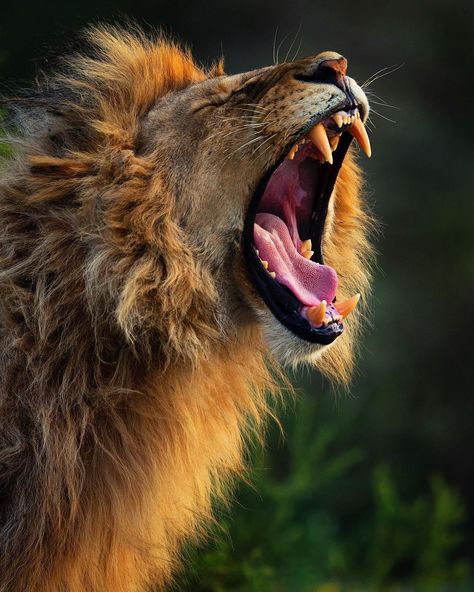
{"points": [[132, 368]]}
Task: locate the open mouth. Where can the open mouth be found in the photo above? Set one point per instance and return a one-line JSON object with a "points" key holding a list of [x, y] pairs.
{"points": [[284, 229]]}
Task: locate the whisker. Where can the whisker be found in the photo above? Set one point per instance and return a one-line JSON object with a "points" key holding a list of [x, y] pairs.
{"points": [[274, 46], [245, 145], [384, 104], [269, 146], [229, 155], [255, 107], [293, 42], [370, 124], [218, 134], [373, 75], [298, 50], [381, 73], [383, 116], [279, 47], [251, 121]]}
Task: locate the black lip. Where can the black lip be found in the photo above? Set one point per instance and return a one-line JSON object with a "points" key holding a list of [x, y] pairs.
{"points": [[281, 301]]}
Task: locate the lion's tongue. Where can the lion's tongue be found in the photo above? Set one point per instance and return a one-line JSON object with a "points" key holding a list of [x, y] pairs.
{"points": [[310, 282]]}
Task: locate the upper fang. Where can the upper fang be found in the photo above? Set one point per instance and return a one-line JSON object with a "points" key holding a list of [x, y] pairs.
{"points": [[319, 137], [359, 132]]}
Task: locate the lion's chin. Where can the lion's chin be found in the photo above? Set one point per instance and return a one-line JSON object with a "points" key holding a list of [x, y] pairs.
{"points": [[285, 347]]}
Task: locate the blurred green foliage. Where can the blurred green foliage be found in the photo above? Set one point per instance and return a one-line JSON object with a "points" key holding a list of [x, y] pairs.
{"points": [[320, 518]]}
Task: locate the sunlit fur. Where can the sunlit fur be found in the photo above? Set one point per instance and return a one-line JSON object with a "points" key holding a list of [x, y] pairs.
{"points": [[126, 398]]}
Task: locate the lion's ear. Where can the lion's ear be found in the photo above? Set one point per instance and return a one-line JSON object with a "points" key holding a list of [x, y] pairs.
{"points": [[160, 292]]}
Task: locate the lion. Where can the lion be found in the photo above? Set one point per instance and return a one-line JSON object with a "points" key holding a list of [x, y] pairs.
{"points": [[171, 237]]}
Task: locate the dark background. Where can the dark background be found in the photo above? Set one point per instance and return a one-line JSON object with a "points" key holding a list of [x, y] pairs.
{"points": [[372, 491]]}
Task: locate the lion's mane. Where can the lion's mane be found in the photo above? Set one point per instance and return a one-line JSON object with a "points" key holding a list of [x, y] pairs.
{"points": [[123, 410]]}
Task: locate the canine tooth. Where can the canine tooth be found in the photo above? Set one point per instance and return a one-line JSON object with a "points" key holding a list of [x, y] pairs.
{"points": [[306, 245], [334, 141], [264, 263], [318, 136], [273, 274], [338, 119], [360, 134], [345, 308], [316, 313], [307, 254], [256, 250]]}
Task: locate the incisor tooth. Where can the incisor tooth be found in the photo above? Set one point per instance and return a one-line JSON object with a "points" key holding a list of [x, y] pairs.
{"points": [[345, 308], [359, 132], [316, 313], [307, 254], [306, 245], [318, 136]]}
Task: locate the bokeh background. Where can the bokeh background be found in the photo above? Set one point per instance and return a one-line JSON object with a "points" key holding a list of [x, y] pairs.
{"points": [[373, 490]]}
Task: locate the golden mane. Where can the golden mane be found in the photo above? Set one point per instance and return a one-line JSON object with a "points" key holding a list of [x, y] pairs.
{"points": [[87, 407], [103, 450]]}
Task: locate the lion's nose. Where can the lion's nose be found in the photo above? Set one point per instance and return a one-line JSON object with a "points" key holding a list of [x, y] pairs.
{"points": [[328, 68], [333, 68]]}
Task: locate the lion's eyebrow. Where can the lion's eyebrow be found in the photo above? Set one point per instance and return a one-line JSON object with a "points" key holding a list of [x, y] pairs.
{"points": [[212, 101]]}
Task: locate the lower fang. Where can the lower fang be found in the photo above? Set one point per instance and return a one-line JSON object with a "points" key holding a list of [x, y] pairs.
{"points": [[316, 313], [345, 308]]}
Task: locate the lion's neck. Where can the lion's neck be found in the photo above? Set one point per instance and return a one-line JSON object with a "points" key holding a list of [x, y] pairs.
{"points": [[179, 442]]}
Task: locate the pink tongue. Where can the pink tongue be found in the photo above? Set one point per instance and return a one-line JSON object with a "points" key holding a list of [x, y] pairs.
{"points": [[309, 281]]}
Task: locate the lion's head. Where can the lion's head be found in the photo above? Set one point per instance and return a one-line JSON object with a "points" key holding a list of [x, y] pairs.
{"points": [[207, 201], [263, 186]]}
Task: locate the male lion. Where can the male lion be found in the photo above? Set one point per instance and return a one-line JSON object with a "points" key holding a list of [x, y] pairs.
{"points": [[162, 231]]}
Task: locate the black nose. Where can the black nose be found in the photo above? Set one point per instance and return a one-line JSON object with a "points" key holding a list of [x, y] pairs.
{"points": [[329, 71]]}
